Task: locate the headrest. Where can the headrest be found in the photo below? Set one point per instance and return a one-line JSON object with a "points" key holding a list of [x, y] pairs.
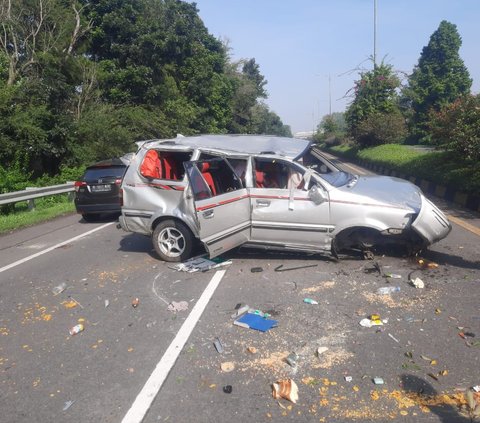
{"points": [[205, 167]]}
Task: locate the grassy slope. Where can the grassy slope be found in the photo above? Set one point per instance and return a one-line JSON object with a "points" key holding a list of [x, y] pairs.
{"points": [[441, 167]]}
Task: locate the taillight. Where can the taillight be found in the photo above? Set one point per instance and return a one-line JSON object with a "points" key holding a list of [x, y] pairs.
{"points": [[79, 184]]}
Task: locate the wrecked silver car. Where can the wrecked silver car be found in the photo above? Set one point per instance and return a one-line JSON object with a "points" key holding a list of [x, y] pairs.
{"points": [[224, 191]]}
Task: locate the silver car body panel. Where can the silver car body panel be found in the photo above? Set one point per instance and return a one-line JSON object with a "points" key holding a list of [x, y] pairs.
{"points": [[274, 217]]}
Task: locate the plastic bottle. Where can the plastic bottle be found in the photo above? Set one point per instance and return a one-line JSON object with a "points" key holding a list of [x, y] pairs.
{"points": [[384, 290], [310, 301]]}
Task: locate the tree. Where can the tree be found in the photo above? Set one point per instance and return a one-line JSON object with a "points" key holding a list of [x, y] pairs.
{"points": [[439, 78], [264, 121], [332, 129], [457, 127], [375, 102]]}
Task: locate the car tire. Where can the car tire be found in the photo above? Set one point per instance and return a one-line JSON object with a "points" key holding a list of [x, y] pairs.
{"points": [[173, 241], [88, 217]]}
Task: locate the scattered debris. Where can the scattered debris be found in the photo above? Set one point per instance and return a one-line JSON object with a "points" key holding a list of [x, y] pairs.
{"points": [[292, 359], [281, 269], [427, 264], [227, 366], [256, 269], [67, 405], [376, 268], [395, 339], [309, 301], [348, 378], [227, 389], [252, 350], [321, 350], [201, 264], [393, 276], [386, 290], [285, 388], [135, 302], [378, 381], [59, 288], [218, 345], [69, 304], [107, 303], [76, 329], [373, 320], [240, 310], [433, 376], [418, 283], [180, 306], [255, 321]]}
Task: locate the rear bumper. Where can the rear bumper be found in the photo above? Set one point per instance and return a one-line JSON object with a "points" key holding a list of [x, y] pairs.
{"points": [[98, 208]]}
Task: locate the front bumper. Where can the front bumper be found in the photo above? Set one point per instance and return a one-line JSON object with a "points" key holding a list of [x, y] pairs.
{"points": [[431, 223]]}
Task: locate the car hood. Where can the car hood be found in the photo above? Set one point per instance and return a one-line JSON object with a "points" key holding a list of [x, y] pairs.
{"points": [[386, 189]]}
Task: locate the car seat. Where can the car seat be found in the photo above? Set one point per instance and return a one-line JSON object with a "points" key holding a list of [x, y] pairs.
{"points": [[151, 167], [205, 169]]}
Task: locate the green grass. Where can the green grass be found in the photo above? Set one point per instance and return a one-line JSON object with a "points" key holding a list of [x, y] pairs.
{"points": [[45, 209], [442, 167]]}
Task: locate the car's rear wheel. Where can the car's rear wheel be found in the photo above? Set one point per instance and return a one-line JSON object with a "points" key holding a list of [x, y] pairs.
{"points": [[89, 217], [172, 241]]}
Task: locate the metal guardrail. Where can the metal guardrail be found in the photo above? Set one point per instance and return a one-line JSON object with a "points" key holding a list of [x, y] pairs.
{"points": [[30, 194]]}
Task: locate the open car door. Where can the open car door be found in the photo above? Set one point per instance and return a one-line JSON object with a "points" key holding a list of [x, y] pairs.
{"points": [[222, 205]]}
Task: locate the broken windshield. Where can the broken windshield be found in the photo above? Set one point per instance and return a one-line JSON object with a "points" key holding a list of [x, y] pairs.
{"points": [[338, 179]]}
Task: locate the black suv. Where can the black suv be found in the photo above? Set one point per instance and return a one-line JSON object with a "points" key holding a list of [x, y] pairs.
{"points": [[98, 191]]}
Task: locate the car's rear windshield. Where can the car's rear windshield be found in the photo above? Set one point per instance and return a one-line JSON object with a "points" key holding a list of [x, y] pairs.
{"points": [[104, 172]]}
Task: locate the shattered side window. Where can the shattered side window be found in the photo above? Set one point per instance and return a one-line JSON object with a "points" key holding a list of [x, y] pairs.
{"points": [[200, 189]]}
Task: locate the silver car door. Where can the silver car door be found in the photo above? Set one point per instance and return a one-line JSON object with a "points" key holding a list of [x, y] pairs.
{"points": [[288, 216], [222, 205]]}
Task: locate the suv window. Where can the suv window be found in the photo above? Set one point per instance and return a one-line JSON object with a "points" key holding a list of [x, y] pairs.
{"points": [[95, 173], [272, 173], [167, 165]]}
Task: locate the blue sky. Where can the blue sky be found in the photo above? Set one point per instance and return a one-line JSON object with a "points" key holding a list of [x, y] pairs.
{"points": [[298, 44]]}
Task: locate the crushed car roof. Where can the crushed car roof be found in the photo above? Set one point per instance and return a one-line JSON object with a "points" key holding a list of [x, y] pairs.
{"points": [[250, 144]]}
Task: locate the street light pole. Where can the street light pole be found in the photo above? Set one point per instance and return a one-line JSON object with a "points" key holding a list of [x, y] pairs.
{"points": [[374, 34], [329, 95]]}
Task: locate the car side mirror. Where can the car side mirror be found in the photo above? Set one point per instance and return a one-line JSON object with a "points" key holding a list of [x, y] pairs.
{"points": [[317, 195]]}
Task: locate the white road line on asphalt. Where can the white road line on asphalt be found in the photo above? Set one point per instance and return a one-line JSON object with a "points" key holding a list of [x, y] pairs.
{"points": [[47, 250], [144, 399]]}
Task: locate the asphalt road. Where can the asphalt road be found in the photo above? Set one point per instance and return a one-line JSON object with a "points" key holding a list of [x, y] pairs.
{"points": [[97, 375]]}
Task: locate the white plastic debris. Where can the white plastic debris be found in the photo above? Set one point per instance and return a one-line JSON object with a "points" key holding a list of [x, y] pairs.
{"points": [[418, 283]]}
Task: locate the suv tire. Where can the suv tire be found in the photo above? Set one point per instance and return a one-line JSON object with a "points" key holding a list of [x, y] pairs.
{"points": [[91, 217], [172, 241]]}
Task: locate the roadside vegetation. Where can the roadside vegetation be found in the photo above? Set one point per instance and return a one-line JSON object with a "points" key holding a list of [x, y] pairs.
{"points": [[45, 209], [81, 81], [433, 107]]}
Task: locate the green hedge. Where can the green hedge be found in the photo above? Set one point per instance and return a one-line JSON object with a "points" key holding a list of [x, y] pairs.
{"points": [[443, 167]]}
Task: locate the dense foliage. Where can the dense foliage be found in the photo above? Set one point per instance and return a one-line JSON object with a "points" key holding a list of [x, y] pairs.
{"points": [[81, 80], [373, 117], [457, 127], [439, 79]]}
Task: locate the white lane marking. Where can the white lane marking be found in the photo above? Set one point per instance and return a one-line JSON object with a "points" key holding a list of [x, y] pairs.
{"points": [[47, 250], [144, 399]]}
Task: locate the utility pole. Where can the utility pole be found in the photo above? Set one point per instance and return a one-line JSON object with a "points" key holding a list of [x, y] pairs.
{"points": [[374, 34]]}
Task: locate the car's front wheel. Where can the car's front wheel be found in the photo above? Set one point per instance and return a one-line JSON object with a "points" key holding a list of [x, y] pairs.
{"points": [[172, 241]]}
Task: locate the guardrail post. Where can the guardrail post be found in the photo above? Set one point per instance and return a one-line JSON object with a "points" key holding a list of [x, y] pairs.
{"points": [[31, 202], [71, 194]]}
